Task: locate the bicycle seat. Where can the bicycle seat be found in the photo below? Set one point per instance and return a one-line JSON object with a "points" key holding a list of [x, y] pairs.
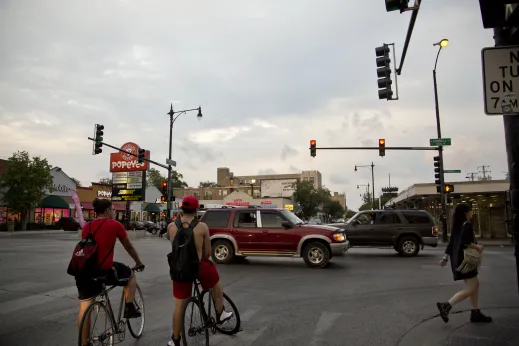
{"points": [[101, 279]]}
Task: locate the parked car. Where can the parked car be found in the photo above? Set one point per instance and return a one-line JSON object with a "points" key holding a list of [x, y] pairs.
{"points": [[405, 230], [68, 224], [242, 232], [314, 222]]}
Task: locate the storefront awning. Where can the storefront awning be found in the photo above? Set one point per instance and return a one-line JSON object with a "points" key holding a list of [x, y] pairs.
{"points": [[55, 202], [152, 208]]}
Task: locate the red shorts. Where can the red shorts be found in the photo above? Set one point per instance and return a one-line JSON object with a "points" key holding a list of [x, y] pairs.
{"points": [[207, 275]]}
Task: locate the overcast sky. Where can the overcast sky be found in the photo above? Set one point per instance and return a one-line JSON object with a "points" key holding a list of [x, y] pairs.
{"points": [[270, 75]]}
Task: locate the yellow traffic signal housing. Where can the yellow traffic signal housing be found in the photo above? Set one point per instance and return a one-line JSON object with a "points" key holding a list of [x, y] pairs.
{"points": [[449, 188], [313, 144], [382, 147]]}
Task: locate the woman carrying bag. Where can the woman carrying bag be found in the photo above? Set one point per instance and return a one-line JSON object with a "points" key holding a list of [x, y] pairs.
{"points": [[465, 254]]}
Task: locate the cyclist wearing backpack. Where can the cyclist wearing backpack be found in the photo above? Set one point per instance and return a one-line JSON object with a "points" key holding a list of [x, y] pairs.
{"points": [[105, 231], [190, 260]]}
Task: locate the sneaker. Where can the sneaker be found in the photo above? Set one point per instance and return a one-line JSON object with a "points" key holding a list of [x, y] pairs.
{"points": [[131, 311], [444, 309], [173, 342], [476, 316], [224, 317]]}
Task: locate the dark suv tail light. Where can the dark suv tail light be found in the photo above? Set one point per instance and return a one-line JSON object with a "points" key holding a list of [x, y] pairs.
{"points": [[435, 230]]}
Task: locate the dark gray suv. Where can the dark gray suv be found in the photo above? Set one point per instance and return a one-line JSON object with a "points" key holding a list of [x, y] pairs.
{"points": [[405, 230]]}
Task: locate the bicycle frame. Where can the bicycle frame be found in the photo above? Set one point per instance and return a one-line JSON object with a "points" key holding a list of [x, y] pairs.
{"points": [[209, 321], [104, 296]]}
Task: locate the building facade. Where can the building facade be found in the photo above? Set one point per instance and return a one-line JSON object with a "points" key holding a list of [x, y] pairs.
{"points": [[489, 199], [341, 198]]}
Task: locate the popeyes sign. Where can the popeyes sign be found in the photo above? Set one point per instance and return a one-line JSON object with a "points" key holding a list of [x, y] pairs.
{"points": [[123, 162]]}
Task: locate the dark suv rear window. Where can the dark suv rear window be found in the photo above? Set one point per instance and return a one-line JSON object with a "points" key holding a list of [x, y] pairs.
{"points": [[216, 219], [417, 218]]}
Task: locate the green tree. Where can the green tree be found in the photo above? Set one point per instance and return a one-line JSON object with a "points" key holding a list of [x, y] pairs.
{"points": [[368, 205], [155, 178], [304, 195], [334, 208], [350, 213], [177, 180], [25, 181], [77, 182], [207, 184], [105, 181]]}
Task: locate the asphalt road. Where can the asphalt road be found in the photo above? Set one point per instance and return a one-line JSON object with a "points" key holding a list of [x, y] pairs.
{"points": [[368, 297]]}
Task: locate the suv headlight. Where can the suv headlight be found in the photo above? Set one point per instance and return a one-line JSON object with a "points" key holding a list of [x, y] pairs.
{"points": [[339, 236]]}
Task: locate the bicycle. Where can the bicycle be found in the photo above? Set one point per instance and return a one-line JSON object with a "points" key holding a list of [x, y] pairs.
{"points": [[114, 327], [207, 322]]}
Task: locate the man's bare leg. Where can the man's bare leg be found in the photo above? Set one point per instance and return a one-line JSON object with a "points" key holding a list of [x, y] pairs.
{"points": [[221, 314], [129, 289], [177, 319], [83, 306]]}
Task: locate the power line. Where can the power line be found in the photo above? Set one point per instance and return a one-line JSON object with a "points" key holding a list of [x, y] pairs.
{"points": [[470, 176]]}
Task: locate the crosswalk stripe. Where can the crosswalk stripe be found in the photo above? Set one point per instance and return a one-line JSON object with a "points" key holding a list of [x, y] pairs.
{"points": [[247, 314], [241, 339], [34, 300], [21, 286], [325, 322], [61, 314]]}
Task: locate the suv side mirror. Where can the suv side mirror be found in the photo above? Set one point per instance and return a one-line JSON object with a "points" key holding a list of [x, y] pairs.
{"points": [[286, 224], [355, 222]]}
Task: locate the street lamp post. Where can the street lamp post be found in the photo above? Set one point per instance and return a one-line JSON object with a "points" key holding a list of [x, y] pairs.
{"points": [[367, 189], [252, 182], [172, 118], [372, 167], [441, 44]]}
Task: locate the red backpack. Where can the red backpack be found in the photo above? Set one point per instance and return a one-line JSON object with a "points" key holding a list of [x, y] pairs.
{"points": [[84, 257]]}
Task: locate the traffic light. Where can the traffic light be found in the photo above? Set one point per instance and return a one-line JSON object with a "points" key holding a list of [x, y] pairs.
{"points": [[437, 174], [312, 148], [164, 191], [449, 188], [393, 5], [384, 72], [142, 154], [382, 147], [98, 139], [163, 199]]}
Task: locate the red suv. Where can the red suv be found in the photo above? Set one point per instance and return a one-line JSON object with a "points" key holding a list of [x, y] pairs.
{"points": [[246, 232]]}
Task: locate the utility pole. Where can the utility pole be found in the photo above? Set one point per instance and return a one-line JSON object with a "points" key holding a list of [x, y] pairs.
{"points": [[470, 176], [484, 171], [511, 125]]}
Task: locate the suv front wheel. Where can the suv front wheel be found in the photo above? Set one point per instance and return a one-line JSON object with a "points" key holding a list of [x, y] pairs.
{"points": [[316, 255], [408, 246], [222, 251]]}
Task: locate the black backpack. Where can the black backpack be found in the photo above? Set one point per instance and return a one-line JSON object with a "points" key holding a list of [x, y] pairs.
{"points": [[84, 258], [183, 259]]}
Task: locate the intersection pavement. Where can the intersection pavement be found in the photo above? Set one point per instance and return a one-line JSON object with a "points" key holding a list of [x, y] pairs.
{"points": [[368, 297]]}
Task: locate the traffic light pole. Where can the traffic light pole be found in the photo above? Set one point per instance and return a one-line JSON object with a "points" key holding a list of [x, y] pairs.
{"points": [[170, 188], [511, 125], [443, 197]]}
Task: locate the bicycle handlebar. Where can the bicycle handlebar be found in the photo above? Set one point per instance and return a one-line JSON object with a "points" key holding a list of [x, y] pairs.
{"points": [[138, 268]]}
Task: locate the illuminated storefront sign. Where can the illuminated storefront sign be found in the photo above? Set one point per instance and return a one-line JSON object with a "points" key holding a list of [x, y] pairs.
{"points": [[128, 186]]}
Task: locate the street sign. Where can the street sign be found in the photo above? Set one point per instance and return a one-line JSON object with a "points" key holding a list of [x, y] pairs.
{"points": [[171, 162], [500, 79], [452, 171], [435, 142]]}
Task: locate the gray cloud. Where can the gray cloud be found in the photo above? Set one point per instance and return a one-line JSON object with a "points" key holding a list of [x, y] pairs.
{"points": [[293, 169], [267, 171], [287, 152], [262, 73]]}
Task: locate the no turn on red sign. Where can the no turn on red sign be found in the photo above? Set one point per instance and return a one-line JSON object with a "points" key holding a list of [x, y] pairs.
{"points": [[500, 79]]}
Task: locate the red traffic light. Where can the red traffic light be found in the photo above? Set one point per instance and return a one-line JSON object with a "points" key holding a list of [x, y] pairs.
{"points": [[164, 184], [381, 141], [312, 142]]}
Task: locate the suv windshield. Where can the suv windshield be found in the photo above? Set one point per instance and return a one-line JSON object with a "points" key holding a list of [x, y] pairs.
{"points": [[291, 217]]}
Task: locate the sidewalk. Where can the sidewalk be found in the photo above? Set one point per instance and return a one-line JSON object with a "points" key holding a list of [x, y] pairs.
{"points": [[459, 331], [487, 242]]}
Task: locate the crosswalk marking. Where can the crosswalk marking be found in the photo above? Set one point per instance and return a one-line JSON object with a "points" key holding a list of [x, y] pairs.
{"points": [[34, 300], [61, 314], [325, 322], [21, 286], [240, 339], [251, 311]]}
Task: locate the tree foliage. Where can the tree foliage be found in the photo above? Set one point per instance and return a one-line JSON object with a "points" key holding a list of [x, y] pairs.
{"points": [[77, 182], [24, 182], [207, 184], [177, 180], [105, 181], [311, 200], [155, 178], [367, 201]]}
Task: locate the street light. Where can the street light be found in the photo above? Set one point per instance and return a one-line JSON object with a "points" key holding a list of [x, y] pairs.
{"points": [[367, 190], [172, 119], [372, 167], [443, 43]]}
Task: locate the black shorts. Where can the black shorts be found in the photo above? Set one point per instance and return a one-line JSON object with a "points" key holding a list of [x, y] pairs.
{"points": [[119, 275]]}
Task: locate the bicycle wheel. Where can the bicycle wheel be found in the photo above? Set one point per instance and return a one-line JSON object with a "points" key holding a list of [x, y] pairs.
{"points": [[194, 327], [230, 327], [136, 325], [102, 337]]}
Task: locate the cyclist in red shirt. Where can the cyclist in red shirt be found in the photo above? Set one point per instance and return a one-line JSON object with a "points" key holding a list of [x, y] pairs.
{"points": [[106, 231]]}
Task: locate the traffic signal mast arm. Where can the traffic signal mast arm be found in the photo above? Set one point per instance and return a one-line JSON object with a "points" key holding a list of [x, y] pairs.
{"points": [[376, 148], [132, 154]]}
